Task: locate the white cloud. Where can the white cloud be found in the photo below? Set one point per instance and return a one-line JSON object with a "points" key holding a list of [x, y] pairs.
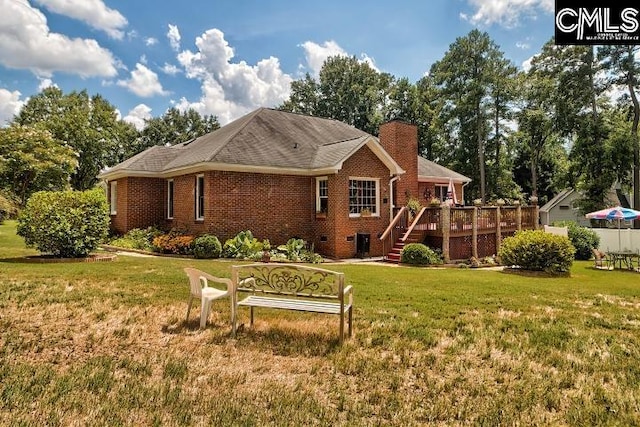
{"points": [[92, 12], [170, 69], [10, 105], [523, 45], [315, 54], [45, 83], [231, 89], [174, 37], [143, 82], [138, 115], [27, 43], [150, 41], [505, 12], [143, 59]]}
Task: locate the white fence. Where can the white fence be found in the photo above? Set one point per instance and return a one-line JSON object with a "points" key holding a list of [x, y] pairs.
{"points": [[612, 239]]}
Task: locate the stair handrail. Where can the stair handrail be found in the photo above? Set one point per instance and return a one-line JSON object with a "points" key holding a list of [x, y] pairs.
{"points": [[413, 224], [393, 223]]}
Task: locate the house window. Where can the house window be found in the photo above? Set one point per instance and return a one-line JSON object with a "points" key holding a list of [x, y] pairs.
{"points": [[322, 195], [113, 197], [441, 192], [200, 197], [363, 195], [564, 207], [170, 199]]}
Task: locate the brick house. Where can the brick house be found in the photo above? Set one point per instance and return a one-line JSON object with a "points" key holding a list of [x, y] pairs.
{"points": [[280, 175]]}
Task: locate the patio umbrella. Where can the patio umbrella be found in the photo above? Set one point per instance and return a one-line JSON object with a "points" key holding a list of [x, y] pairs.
{"points": [[451, 197], [618, 213]]}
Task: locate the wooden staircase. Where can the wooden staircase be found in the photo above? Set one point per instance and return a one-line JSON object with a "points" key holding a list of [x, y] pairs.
{"points": [[396, 252]]}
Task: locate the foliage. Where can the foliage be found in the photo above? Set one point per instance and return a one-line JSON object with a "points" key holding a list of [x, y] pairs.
{"points": [[174, 243], [138, 238], [8, 207], [173, 127], [243, 245], [419, 254], [293, 249], [88, 124], [414, 206], [582, 238], [67, 224], [207, 246], [31, 160], [537, 251]]}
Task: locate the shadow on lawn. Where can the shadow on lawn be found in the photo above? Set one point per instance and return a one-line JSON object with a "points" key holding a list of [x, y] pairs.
{"points": [[282, 341]]}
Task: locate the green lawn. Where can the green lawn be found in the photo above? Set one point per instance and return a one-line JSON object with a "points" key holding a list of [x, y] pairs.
{"points": [[106, 344]]}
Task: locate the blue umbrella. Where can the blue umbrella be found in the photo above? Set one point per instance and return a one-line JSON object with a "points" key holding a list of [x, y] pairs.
{"points": [[618, 213]]}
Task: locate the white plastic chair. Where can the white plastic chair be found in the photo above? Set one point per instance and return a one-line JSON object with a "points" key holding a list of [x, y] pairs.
{"points": [[200, 289]]}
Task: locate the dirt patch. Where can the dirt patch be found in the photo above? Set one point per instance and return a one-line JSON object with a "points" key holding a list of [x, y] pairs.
{"points": [[51, 259]]}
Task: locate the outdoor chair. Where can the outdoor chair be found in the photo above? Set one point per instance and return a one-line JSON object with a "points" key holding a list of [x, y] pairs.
{"points": [[600, 260], [200, 289]]}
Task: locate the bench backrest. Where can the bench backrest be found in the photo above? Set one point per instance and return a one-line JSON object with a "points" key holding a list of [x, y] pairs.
{"points": [[288, 279]]}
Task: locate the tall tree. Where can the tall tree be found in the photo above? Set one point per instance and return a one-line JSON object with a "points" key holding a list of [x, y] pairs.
{"points": [[88, 124], [465, 77], [347, 90], [624, 70], [31, 160], [174, 127]]}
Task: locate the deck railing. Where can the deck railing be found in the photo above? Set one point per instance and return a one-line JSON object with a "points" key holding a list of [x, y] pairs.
{"points": [[395, 230]]}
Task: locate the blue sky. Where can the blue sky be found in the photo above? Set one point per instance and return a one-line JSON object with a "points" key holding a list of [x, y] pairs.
{"points": [[229, 57]]}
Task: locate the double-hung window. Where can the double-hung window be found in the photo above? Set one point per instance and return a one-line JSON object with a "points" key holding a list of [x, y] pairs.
{"points": [[200, 197], [364, 196], [322, 195], [170, 199], [441, 192], [113, 197]]}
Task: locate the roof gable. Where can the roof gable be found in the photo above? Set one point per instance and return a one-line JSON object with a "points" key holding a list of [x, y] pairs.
{"points": [[428, 170]]}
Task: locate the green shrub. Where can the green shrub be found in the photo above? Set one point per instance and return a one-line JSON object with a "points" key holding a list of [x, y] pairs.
{"points": [[174, 243], [538, 251], [243, 245], [207, 246], [67, 224], [582, 238], [419, 254], [138, 238], [293, 249]]}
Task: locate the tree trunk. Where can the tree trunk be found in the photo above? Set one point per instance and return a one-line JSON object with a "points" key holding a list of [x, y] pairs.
{"points": [[497, 139], [480, 154]]}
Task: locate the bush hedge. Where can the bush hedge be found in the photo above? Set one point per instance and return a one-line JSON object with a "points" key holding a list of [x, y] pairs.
{"points": [[206, 247], [138, 238], [419, 254], [537, 251], [174, 243], [582, 238], [67, 224]]}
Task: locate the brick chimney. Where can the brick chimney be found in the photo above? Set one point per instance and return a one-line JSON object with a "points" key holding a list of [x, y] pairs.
{"points": [[400, 140]]}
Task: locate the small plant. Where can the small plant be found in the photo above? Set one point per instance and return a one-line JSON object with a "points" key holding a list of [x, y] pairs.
{"points": [[66, 224], [365, 212], [207, 246], [477, 202], [266, 245], [243, 246], [538, 251], [138, 238], [500, 202], [174, 243], [414, 206], [293, 249], [419, 254]]}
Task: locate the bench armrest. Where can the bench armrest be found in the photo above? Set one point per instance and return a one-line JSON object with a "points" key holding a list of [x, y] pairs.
{"points": [[348, 291]]}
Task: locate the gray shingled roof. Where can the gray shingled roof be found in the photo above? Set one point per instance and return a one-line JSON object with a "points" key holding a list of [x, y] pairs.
{"points": [[429, 169], [263, 138]]}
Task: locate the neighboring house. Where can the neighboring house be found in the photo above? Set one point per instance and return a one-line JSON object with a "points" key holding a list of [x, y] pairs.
{"points": [[563, 207], [280, 175]]}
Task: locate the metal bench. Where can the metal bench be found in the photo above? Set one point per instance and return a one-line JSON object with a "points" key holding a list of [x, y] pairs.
{"points": [[291, 287]]}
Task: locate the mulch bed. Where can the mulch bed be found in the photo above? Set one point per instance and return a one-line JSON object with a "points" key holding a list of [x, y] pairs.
{"points": [[52, 259]]}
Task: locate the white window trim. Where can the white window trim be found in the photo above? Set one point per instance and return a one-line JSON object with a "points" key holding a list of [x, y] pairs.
{"points": [[113, 197], [377, 181], [318, 179], [197, 192], [170, 198]]}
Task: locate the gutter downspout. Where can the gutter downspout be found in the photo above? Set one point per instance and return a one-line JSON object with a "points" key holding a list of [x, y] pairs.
{"points": [[464, 184], [391, 181]]}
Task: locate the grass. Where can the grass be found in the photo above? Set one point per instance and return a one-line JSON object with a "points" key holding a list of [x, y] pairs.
{"points": [[107, 344]]}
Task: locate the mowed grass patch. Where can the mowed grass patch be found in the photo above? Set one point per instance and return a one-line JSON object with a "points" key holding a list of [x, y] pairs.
{"points": [[108, 344]]}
